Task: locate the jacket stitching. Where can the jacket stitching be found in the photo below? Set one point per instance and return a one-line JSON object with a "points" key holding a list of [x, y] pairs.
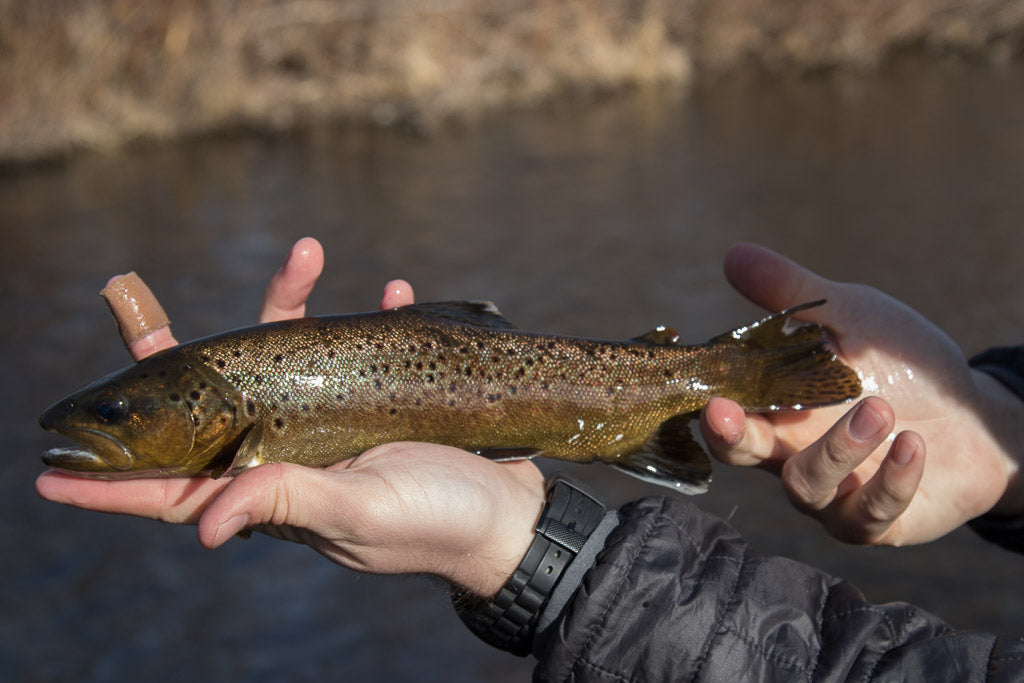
{"points": [[629, 566], [718, 628]]}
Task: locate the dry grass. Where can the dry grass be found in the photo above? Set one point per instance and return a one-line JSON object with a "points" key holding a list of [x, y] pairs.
{"points": [[103, 73]]}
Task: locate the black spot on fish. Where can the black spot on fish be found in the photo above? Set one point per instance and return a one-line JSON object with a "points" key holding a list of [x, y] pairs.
{"points": [[278, 358], [174, 398], [463, 349], [258, 379], [428, 345], [221, 364], [205, 358], [451, 403], [278, 422], [305, 407], [377, 383], [250, 406], [408, 364], [430, 378], [373, 368], [529, 361], [393, 411], [362, 373], [419, 366], [359, 347], [385, 368], [480, 345], [236, 353], [340, 397], [512, 389], [510, 352], [412, 348], [284, 397], [144, 375], [195, 395], [469, 371], [331, 354], [521, 372], [202, 385]]}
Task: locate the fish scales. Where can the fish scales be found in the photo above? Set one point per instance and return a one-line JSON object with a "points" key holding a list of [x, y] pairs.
{"points": [[318, 390]]}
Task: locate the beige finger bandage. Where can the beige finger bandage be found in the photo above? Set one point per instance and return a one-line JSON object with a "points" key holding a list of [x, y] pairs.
{"points": [[136, 310]]}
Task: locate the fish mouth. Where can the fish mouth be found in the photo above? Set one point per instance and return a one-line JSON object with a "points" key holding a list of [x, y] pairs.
{"points": [[99, 453]]}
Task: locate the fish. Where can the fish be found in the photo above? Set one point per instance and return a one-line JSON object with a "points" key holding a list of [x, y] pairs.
{"points": [[316, 391]]}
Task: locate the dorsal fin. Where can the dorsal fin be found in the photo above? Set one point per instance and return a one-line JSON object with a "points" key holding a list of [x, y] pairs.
{"points": [[661, 335], [479, 313]]}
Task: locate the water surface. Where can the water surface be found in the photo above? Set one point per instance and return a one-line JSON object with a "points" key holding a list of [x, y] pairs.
{"points": [[597, 220]]}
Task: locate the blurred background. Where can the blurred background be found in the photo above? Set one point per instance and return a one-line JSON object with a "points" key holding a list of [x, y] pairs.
{"points": [[583, 164]]}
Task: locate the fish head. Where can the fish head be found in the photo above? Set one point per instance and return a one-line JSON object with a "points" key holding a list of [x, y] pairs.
{"points": [[162, 416]]}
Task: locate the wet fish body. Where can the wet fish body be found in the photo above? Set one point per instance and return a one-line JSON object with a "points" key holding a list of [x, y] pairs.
{"points": [[316, 391]]}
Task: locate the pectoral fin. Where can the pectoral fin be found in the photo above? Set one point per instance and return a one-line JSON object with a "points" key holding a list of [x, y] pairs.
{"points": [[249, 454], [508, 454], [671, 457]]}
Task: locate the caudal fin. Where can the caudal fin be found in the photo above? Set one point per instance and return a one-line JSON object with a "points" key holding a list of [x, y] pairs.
{"points": [[787, 364]]}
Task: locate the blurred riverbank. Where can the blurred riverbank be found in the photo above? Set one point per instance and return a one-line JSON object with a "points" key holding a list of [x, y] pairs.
{"points": [[102, 75]]}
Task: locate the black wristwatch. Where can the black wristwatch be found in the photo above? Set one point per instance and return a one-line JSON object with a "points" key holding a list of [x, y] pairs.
{"points": [[509, 619]]}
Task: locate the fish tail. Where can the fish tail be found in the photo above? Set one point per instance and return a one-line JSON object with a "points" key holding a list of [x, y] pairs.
{"points": [[787, 364]]}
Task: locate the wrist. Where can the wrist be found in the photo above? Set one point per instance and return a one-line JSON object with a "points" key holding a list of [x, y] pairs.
{"points": [[509, 619], [1003, 410], [505, 531]]}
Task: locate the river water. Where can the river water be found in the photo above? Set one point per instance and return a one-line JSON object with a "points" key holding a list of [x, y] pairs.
{"points": [[601, 220]]}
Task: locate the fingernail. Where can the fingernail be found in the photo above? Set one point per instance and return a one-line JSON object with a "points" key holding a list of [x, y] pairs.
{"points": [[902, 452], [230, 528], [729, 433], [866, 423]]}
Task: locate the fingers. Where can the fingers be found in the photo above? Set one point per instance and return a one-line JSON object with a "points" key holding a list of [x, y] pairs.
{"points": [[290, 286], [871, 513], [275, 494], [812, 476], [823, 479], [141, 320], [732, 437], [176, 500], [397, 293]]}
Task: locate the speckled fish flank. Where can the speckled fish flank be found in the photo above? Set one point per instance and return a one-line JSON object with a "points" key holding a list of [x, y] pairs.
{"points": [[315, 391]]}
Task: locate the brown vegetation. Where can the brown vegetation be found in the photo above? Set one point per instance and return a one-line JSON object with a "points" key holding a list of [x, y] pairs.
{"points": [[101, 73]]}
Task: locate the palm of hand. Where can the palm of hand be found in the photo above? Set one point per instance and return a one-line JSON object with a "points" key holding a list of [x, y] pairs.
{"points": [[922, 374]]}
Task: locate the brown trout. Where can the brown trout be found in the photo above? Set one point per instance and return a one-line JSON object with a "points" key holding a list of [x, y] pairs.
{"points": [[316, 391]]}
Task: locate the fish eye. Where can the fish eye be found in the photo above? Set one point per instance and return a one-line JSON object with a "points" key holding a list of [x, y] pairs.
{"points": [[109, 409]]}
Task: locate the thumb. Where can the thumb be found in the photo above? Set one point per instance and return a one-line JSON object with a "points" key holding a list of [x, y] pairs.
{"points": [[773, 281], [278, 494]]}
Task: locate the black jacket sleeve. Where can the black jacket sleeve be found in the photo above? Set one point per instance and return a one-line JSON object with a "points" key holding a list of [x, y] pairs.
{"points": [[676, 595]]}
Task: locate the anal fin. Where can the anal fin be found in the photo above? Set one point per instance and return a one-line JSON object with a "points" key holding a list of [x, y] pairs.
{"points": [[671, 457]]}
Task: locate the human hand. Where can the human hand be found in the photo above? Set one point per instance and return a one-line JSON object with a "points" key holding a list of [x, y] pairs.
{"points": [[839, 464], [396, 508]]}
